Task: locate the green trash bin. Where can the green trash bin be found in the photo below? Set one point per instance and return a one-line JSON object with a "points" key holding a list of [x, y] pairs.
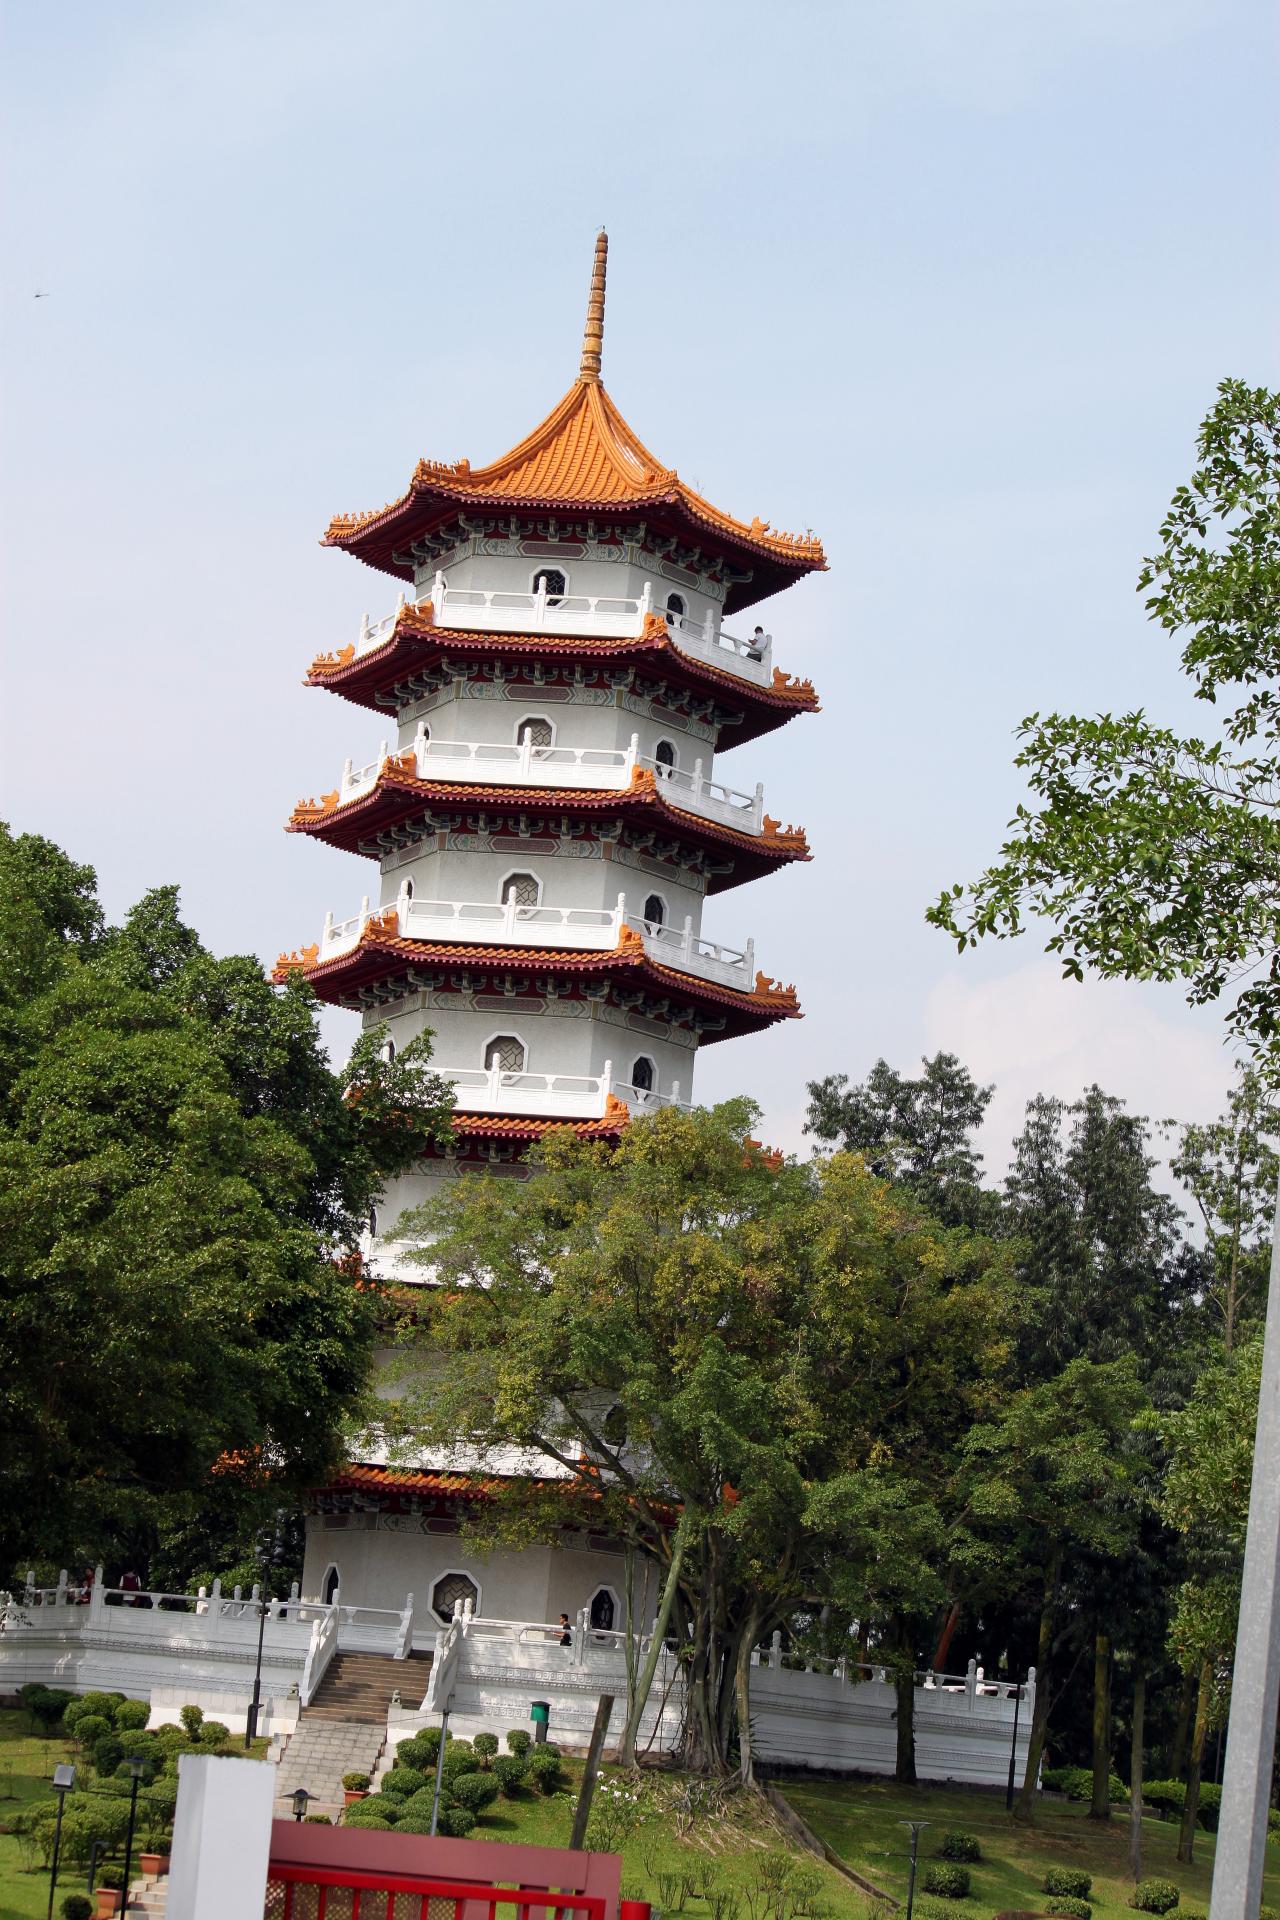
{"points": [[540, 1714]]}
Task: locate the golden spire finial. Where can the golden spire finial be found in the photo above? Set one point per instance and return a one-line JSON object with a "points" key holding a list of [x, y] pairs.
{"points": [[593, 332]]}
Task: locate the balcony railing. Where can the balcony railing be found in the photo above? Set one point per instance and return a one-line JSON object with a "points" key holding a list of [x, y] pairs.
{"points": [[593, 769], [508, 923], [604, 616]]}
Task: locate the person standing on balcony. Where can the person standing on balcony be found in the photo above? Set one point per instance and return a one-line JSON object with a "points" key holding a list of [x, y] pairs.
{"points": [[566, 1631]]}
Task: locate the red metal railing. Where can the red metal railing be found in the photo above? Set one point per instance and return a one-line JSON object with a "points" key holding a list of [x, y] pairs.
{"points": [[308, 1892]]}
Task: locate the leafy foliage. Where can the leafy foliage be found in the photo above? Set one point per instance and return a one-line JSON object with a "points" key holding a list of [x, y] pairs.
{"points": [[1154, 1896], [942, 1877]]}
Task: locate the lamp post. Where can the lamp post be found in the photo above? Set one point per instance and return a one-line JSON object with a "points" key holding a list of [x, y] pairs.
{"points": [[300, 1800], [916, 1828], [265, 1561], [1013, 1749], [64, 1778], [435, 1804], [137, 1767]]}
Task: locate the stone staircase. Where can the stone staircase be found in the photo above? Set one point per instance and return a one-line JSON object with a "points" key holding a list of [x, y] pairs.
{"points": [[344, 1728], [147, 1897]]}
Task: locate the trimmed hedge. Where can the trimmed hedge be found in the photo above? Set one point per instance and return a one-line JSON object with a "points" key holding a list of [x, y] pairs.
{"points": [[518, 1740], [509, 1770], [486, 1745], [959, 1845], [456, 1822], [1166, 1796], [950, 1881], [1072, 1909], [383, 1806], [475, 1790], [1154, 1896], [1072, 1881], [402, 1781]]}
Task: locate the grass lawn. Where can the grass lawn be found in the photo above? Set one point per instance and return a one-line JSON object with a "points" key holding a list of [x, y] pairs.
{"points": [[26, 1772], [858, 1820]]}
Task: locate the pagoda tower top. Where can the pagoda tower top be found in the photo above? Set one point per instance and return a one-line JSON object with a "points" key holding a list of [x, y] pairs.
{"points": [[582, 461]]}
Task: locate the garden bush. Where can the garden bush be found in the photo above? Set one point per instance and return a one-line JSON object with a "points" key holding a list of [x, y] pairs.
{"points": [[1190, 1913], [192, 1719], [414, 1822], [1154, 1896], [518, 1740], [486, 1745], [959, 1845], [1073, 1881], [1167, 1797], [107, 1753], [951, 1881], [48, 1705], [941, 1909], [509, 1770], [384, 1806], [545, 1770], [1068, 1780], [359, 1782], [456, 1822], [316, 1820], [402, 1781], [103, 1703], [213, 1734], [132, 1716], [475, 1790], [459, 1757], [90, 1727], [1066, 1904], [419, 1803], [77, 1906], [367, 1822], [420, 1752], [1208, 1805]]}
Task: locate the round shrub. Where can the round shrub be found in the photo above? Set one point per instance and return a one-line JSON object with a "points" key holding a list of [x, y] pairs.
{"points": [[940, 1909], [1165, 1797], [132, 1716], [414, 1822], [1063, 1903], [456, 1822], [418, 1752], [192, 1718], [1073, 1881], [213, 1734], [1190, 1913], [1154, 1896], [316, 1820], [545, 1770], [356, 1782], [419, 1804], [103, 1703], [107, 1753], [486, 1745], [367, 1822], [959, 1845], [459, 1758], [90, 1727], [402, 1781], [383, 1806], [509, 1770], [77, 1906], [475, 1790], [518, 1740], [1208, 1805], [950, 1881]]}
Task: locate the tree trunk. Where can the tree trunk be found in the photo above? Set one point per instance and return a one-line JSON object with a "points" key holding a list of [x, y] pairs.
{"points": [[1182, 1727], [904, 1686], [1024, 1807], [1100, 1805], [1135, 1774], [945, 1638], [1191, 1806], [742, 1697], [644, 1680]]}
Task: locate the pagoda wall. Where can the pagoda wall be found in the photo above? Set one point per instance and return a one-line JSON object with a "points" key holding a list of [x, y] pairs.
{"points": [[497, 715], [560, 1036], [574, 875], [491, 566]]}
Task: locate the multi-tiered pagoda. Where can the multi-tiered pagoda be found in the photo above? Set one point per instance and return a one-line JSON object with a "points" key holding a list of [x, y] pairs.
{"points": [[549, 821]]}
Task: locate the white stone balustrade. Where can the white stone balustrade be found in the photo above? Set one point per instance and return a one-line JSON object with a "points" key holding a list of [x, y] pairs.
{"points": [[471, 610], [508, 923], [589, 769]]}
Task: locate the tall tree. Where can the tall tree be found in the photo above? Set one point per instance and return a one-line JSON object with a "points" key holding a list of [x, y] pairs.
{"points": [[916, 1133], [1230, 1170], [182, 1179], [1157, 856]]}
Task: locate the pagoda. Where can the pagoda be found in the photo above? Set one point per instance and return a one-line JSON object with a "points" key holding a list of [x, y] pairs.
{"points": [[548, 821]]}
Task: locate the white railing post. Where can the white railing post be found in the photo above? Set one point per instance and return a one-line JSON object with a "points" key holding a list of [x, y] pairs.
{"points": [[215, 1600], [775, 1650], [606, 1083], [420, 744], [403, 899], [687, 946], [346, 777], [709, 627], [326, 938], [437, 594], [495, 1075], [697, 779], [971, 1684], [365, 628], [646, 599], [526, 751], [633, 754], [97, 1599], [364, 914], [675, 1093], [580, 1637], [61, 1597], [540, 603], [1029, 1696], [749, 959], [619, 916]]}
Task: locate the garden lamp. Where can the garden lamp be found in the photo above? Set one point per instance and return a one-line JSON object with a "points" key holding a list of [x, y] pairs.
{"points": [[300, 1799], [137, 1766], [916, 1827], [64, 1778]]}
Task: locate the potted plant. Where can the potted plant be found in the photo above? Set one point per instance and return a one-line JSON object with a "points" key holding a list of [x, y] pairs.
{"points": [[110, 1886], [354, 1787], [153, 1863]]}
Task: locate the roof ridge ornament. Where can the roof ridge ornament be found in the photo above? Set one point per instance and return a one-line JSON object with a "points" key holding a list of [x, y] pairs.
{"points": [[593, 332]]}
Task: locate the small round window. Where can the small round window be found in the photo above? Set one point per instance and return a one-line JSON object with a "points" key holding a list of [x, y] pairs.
{"points": [[506, 1053], [522, 888], [551, 581], [535, 730], [447, 1592]]}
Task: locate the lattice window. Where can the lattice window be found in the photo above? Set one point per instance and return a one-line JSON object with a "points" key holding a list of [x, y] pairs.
{"points": [[643, 1075], [449, 1590], [506, 1053], [539, 730], [665, 754], [550, 581], [603, 1610], [654, 910], [522, 888]]}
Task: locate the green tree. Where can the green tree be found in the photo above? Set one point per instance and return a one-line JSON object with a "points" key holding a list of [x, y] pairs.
{"points": [[1157, 856], [717, 1307], [916, 1133], [1230, 1170], [1048, 1482], [182, 1180]]}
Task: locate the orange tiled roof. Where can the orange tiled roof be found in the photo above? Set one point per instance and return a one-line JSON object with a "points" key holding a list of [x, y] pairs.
{"points": [[399, 770], [582, 457]]}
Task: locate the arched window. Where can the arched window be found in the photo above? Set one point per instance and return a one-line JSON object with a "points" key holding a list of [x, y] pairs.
{"points": [[449, 1589], [643, 1075], [406, 888], [551, 581], [522, 888], [388, 1050], [665, 755], [604, 1610], [655, 911], [506, 1053], [675, 608], [331, 1586], [373, 1223], [540, 731]]}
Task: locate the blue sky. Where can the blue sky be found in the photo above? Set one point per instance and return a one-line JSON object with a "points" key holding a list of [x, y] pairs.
{"points": [[951, 283]]}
